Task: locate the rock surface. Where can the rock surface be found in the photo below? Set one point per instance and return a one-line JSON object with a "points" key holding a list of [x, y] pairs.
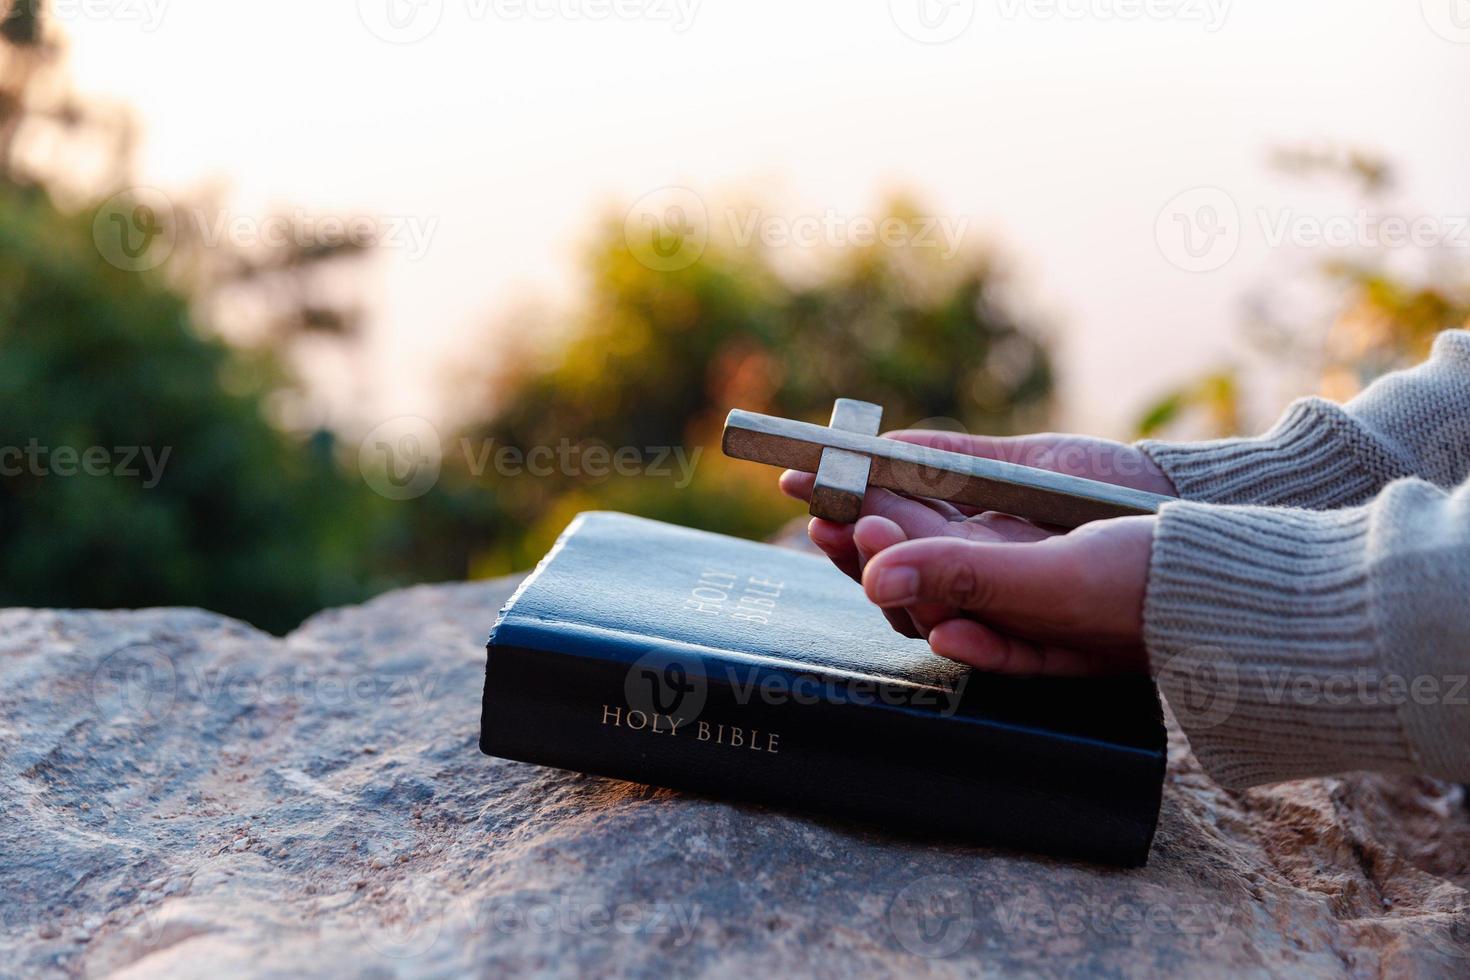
{"points": [[184, 795]]}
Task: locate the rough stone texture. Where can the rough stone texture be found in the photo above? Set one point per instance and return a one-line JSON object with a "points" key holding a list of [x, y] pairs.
{"points": [[184, 795]]}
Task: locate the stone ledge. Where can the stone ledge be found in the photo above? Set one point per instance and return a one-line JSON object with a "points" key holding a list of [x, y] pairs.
{"points": [[184, 794]]}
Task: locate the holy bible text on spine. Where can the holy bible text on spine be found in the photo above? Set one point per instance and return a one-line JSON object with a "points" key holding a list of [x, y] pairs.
{"points": [[648, 652]]}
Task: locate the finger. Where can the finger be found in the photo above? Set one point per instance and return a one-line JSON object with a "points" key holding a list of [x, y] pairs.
{"points": [[914, 517], [902, 622], [918, 518], [873, 534], [1038, 582], [870, 536], [1012, 449], [979, 646], [995, 526], [927, 615], [835, 541], [795, 483]]}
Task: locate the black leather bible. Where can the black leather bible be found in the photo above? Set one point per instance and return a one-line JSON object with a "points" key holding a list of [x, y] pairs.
{"points": [[658, 654]]}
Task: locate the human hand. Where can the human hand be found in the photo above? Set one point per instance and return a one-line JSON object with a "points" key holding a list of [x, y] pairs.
{"points": [[1068, 604], [890, 519]]}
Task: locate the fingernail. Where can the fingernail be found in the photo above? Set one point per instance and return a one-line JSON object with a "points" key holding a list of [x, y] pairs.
{"points": [[896, 585]]}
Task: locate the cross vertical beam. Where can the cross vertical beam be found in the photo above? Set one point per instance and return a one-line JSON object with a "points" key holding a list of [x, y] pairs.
{"points": [[842, 475]]}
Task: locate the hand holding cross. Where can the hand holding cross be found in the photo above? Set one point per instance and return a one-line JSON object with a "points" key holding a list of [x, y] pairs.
{"points": [[848, 457]]}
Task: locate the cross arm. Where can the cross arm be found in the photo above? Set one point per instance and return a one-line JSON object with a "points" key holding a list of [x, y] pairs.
{"points": [[922, 471]]}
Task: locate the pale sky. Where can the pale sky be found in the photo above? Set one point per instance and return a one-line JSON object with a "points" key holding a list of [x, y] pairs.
{"points": [[1057, 131]]}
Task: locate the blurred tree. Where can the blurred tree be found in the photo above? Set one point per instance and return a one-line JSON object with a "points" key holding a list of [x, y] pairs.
{"points": [[137, 462], [194, 498], [656, 359], [142, 459], [1381, 320]]}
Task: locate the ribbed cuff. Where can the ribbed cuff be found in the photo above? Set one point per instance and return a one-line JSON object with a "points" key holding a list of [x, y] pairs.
{"points": [[1259, 628], [1317, 457]]}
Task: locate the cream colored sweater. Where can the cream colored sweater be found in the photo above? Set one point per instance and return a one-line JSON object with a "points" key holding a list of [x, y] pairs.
{"points": [[1308, 603]]}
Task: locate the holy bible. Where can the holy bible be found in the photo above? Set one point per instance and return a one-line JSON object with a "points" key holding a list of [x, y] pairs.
{"points": [[663, 655]]}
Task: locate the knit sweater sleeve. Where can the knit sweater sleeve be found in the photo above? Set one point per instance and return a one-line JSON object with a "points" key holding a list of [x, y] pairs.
{"points": [[1293, 642], [1322, 455]]}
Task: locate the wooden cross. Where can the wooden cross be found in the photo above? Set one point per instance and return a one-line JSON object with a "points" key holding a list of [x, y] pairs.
{"points": [[848, 457]]}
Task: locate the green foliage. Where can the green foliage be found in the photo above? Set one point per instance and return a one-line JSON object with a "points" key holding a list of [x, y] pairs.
{"points": [[1216, 395], [656, 359], [1382, 320], [243, 518], [139, 465]]}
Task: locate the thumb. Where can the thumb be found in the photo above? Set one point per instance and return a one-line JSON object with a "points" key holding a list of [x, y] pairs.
{"points": [[1000, 581]]}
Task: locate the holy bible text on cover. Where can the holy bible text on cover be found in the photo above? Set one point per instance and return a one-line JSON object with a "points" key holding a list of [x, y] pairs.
{"points": [[663, 655]]}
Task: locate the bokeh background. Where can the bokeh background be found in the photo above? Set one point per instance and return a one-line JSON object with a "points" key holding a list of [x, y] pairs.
{"points": [[302, 302]]}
